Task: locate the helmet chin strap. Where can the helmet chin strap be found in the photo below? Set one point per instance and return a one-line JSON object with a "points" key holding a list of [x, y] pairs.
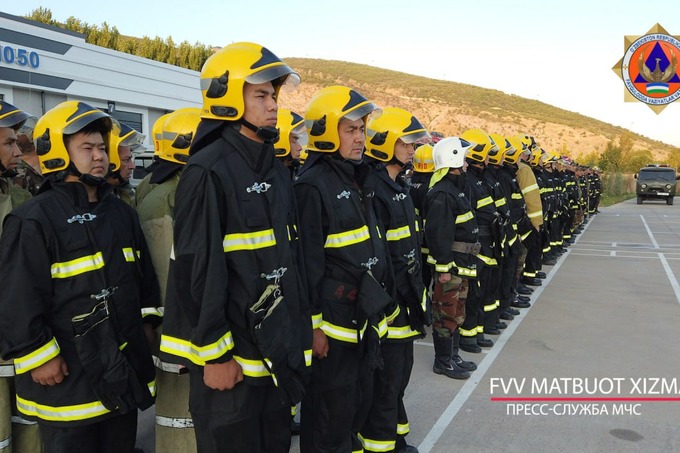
{"points": [[7, 173], [87, 179], [267, 133]]}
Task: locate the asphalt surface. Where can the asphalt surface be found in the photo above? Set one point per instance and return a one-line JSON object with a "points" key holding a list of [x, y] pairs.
{"points": [[592, 366]]}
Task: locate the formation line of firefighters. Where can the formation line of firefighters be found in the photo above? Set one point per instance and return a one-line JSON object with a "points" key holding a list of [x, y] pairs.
{"points": [[279, 284]]}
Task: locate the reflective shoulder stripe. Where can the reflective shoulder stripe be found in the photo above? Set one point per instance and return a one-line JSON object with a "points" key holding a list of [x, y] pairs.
{"points": [[398, 233], [530, 188], [61, 413], [36, 358], [249, 241], [174, 422], [484, 202], [462, 218], [345, 238], [77, 266]]}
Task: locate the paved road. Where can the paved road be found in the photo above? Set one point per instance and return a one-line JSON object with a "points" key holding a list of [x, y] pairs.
{"points": [[592, 366]]}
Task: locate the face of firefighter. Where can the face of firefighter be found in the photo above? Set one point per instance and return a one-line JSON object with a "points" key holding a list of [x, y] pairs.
{"points": [[352, 138], [9, 149], [260, 107], [127, 163], [88, 154], [295, 147], [404, 152]]}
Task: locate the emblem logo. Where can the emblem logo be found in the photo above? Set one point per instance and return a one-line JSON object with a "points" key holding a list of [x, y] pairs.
{"points": [[344, 194], [259, 187], [87, 217], [649, 68], [371, 262]]}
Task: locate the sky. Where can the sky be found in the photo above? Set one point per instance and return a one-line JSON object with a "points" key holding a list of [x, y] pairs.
{"points": [[557, 52]]}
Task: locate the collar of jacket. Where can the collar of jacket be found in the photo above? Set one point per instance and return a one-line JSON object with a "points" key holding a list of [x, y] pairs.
{"points": [[76, 192], [259, 156], [399, 185]]}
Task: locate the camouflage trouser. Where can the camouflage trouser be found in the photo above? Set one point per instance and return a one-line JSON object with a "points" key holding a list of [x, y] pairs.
{"points": [[578, 217], [520, 262], [448, 305]]}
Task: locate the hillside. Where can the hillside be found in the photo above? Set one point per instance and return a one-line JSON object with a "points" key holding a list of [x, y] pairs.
{"points": [[452, 108]]}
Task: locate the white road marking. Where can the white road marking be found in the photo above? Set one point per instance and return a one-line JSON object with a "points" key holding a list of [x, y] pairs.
{"points": [[671, 276], [471, 384], [649, 232]]}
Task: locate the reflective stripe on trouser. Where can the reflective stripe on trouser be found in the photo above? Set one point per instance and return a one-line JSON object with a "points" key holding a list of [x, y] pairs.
{"points": [[379, 430], [448, 305], [17, 434], [534, 254], [490, 300], [174, 426]]}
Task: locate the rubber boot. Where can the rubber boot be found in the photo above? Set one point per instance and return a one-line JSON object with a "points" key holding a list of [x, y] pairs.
{"points": [[443, 359]]}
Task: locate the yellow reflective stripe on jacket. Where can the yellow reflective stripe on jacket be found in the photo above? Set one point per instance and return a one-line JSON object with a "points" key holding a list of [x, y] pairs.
{"points": [[197, 354], [382, 328], [466, 272], [131, 254], [394, 314], [423, 300], [61, 413], [399, 333], [525, 235], [530, 188], [441, 268], [488, 260], [462, 218], [342, 333], [38, 357], [249, 241], [152, 387], [152, 311], [252, 367], [346, 238], [500, 202], [377, 445], [397, 234], [484, 202], [516, 196], [308, 357], [77, 266], [317, 321]]}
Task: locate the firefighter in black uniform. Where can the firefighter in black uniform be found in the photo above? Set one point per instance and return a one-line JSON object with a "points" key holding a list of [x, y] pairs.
{"points": [[481, 301], [518, 222], [347, 268], [76, 257], [292, 139], [423, 167], [452, 232], [389, 147], [235, 278]]}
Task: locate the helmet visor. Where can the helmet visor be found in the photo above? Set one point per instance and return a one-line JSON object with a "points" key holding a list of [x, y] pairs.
{"points": [[87, 118], [363, 110], [300, 133], [286, 76], [416, 137]]}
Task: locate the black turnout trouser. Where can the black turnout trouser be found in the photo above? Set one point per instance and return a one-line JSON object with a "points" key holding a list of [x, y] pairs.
{"points": [[112, 435]]}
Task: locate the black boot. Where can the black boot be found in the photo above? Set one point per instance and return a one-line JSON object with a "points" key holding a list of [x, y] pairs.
{"points": [[443, 363], [464, 364], [469, 344], [483, 342]]}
